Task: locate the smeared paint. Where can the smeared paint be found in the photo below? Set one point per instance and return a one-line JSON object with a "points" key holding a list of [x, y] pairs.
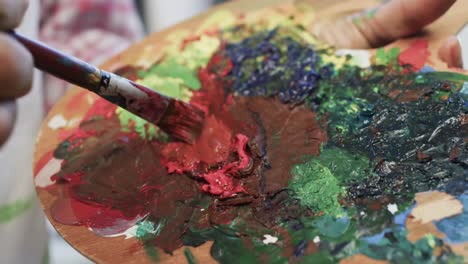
{"points": [[326, 157]]}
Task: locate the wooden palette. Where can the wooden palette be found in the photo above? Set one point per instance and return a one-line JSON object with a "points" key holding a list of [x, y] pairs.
{"points": [[76, 102]]}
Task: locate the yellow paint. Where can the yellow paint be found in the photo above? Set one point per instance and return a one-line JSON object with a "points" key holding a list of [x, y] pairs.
{"points": [[149, 56]]}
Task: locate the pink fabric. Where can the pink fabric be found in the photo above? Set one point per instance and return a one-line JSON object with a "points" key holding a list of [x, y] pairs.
{"points": [[92, 30]]}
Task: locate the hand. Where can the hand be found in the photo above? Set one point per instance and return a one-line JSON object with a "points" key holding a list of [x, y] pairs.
{"points": [[16, 65], [388, 22]]}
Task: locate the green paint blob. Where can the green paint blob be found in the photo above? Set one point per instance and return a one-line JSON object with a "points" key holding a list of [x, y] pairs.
{"points": [[344, 165], [229, 247], [316, 187], [389, 57], [168, 86], [14, 209], [189, 256], [170, 68], [347, 115]]}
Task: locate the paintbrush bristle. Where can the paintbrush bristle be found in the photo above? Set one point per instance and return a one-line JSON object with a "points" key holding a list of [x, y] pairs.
{"points": [[182, 121]]}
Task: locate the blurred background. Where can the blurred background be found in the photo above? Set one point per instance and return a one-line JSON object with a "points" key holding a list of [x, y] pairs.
{"points": [[159, 14], [156, 15]]}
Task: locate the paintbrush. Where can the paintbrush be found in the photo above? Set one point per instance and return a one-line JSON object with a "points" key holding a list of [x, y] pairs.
{"points": [[179, 120]]}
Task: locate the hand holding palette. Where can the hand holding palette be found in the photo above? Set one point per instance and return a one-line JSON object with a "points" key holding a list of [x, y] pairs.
{"points": [[305, 156]]}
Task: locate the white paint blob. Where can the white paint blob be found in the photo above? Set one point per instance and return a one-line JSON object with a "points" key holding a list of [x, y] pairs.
{"points": [[316, 239], [42, 178], [269, 239], [56, 122], [392, 208]]}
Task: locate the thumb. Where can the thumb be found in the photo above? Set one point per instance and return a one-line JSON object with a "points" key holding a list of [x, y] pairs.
{"points": [[386, 23]]}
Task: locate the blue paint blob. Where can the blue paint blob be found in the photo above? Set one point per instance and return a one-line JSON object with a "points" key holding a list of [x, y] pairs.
{"points": [[267, 64], [377, 239], [426, 69], [400, 219], [456, 227]]}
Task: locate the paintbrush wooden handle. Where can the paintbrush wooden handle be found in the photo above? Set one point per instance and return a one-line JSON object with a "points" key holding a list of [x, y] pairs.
{"points": [[135, 98]]}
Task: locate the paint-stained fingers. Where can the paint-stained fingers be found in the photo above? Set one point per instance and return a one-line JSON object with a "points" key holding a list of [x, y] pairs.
{"points": [[16, 68], [11, 13], [384, 24], [7, 119], [450, 53]]}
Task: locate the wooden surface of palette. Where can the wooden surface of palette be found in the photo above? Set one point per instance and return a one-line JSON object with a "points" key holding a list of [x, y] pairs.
{"points": [[76, 102]]}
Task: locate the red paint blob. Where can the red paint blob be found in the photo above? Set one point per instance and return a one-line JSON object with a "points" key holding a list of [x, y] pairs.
{"points": [[213, 146], [220, 152], [416, 55]]}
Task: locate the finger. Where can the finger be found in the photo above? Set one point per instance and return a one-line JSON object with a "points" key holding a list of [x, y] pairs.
{"points": [[7, 119], [450, 53], [382, 25], [11, 13], [16, 68], [399, 18]]}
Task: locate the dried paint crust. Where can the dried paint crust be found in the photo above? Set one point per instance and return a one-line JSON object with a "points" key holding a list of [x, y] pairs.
{"points": [[324, 156]]}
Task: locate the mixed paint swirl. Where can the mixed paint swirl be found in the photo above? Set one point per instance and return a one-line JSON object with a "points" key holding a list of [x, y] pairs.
{"points": [[306, 155]]}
